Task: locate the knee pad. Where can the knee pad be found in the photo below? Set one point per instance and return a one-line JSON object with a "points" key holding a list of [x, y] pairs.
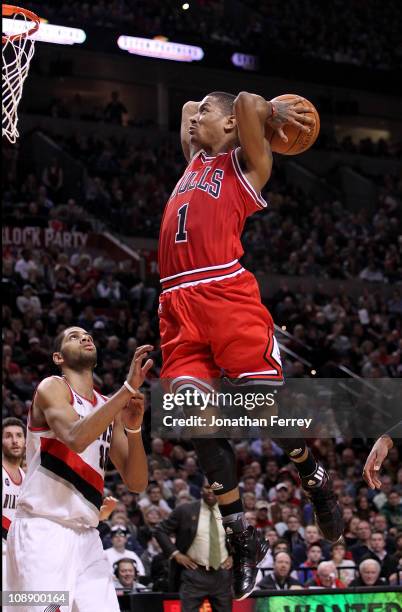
{"points": [[218, 461]]}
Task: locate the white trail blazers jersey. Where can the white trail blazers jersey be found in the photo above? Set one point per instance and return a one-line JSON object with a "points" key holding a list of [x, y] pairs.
{"points": [[10, 493], [60, 484]]}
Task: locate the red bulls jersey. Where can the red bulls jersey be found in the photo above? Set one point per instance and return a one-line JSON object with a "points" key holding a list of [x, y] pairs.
{"points": [[203, 221]]}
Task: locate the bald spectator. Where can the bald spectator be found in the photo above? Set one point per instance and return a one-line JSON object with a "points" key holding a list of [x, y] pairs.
{"points": [[369, 575], [326, 577], [280, 578]]}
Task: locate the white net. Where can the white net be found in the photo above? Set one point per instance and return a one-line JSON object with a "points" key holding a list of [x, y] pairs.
{"points": [[18, 49]]}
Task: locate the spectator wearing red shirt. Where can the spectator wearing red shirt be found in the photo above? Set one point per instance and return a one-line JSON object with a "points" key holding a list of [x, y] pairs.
{"points": [[326, 577]]}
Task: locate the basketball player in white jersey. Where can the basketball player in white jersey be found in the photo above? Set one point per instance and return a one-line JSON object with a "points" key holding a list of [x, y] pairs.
{"points": [[53, 543], [13, 450]]}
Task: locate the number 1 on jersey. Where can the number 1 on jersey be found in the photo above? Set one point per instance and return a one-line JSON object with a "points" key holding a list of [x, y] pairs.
{"points": [[181, 234]]}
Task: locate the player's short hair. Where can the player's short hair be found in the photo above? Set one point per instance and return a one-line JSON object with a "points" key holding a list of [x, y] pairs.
{"points": [[58, 341], [225, 101], [13, 422]]}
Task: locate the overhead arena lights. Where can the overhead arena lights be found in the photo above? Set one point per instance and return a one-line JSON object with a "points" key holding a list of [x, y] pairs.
{"points": [[245, 61], [60, 35], [160, 49]]}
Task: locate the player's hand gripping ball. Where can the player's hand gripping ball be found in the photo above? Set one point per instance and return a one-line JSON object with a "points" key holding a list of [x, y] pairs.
{"points": [[290, 119]]}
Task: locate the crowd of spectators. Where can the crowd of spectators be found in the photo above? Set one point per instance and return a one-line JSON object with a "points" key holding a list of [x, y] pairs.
{"points": [[381, 148], [343, 31], [128, 184], [274, 502]]}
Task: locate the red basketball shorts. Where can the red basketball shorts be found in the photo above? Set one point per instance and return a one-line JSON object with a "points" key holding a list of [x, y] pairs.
{"points": [[217, 329]]}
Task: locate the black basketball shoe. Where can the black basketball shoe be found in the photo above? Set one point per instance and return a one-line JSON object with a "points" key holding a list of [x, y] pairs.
{"points": [[247, 548], [318, 489]]}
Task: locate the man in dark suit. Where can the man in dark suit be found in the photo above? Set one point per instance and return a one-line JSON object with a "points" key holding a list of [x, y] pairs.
{"points": [[200, 565]]}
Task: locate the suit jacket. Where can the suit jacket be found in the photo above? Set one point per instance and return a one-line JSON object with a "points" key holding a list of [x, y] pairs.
{"points": [[182, 523], [388, 564], [270, 583]]}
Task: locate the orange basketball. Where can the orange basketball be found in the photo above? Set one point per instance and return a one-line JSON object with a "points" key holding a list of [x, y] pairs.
{"points": [[298, 141]]}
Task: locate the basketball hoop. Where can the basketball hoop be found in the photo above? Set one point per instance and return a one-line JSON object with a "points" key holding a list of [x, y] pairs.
{"points": [[18, 50]]}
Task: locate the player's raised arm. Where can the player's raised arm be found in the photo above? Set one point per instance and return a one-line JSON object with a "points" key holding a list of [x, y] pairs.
{"points": [[189, 109], [53, 400], [252, 112], [126, 450]]}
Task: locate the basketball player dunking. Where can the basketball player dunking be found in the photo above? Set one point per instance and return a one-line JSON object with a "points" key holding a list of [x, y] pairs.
{"points": [[53, 544], [13, 450], [211, 315]]}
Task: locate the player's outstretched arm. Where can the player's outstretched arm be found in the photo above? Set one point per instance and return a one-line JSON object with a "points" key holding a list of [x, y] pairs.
{"points": [[189, 109], [53, 399], [126, 450], [252, 112], [375, 460]]}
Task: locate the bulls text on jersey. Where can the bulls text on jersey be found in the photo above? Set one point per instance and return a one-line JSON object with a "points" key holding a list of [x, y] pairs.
{"points": [[203, 179]]}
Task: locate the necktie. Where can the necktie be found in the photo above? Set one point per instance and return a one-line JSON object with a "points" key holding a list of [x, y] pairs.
{"points": [[214, 545]]}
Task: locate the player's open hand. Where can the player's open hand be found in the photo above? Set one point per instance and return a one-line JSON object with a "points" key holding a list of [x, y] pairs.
{"points": [[133, 412], [107, 507], [139, 369], [375, 460], [290, 111]]}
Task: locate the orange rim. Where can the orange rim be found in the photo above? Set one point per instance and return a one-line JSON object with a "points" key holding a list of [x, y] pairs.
{"points": [[8, 10]]}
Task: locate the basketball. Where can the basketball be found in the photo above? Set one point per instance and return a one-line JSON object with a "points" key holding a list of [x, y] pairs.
{"points": [[298, 140]]}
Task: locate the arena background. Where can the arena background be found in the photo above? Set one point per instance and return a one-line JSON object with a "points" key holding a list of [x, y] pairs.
{"points": [[85, 186]]}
